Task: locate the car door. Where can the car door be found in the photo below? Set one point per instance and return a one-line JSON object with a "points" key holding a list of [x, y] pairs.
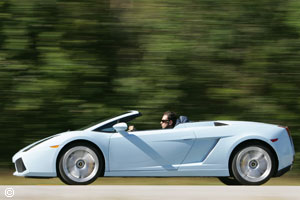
{"points": [[156, 150]]}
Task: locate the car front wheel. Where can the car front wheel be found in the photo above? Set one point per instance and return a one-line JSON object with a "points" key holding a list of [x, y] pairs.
{"points": [[253, 165], [80, 164]]}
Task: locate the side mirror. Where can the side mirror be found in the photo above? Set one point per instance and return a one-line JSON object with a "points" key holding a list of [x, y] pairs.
{"points": [[120, 127]]}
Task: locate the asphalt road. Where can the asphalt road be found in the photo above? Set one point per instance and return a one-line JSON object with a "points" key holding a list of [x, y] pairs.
{"points": [[151, 192]]}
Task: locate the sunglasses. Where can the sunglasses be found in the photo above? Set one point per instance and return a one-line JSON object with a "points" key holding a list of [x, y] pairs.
{"points": [[164, 121]]}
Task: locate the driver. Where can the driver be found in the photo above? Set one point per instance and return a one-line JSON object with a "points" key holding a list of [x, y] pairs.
{"points": [[168, 120]]}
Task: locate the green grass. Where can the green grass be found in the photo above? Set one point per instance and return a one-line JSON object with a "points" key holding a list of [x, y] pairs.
{"points": [[6, 178]]}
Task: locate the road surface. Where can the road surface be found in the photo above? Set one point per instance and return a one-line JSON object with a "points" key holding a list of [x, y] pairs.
{"points": [[151, 192]]}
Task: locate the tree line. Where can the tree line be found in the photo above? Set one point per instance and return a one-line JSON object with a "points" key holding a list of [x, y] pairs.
{"points": [[67, 63]]}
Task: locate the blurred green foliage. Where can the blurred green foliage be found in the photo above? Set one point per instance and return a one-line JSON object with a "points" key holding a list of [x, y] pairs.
{"points": [[67, 63]]}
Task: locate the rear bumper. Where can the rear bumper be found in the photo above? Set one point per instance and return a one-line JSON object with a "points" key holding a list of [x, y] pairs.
{"points": [[283, 171]]}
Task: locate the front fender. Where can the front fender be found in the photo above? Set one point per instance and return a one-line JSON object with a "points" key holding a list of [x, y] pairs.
{"points": [[40, 158]]}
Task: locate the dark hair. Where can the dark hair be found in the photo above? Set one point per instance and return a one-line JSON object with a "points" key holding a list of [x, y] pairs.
{"points": [[171, 116]]}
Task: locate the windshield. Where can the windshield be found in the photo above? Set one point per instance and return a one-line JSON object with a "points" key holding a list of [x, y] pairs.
{"points": [[108, 128]]}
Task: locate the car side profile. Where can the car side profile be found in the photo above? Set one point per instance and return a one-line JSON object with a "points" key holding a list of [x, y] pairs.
{"points": [[237, 152]]}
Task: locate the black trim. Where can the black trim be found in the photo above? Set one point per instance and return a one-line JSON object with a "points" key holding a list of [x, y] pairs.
{"points": [[20, 167], [40, 177], [283, 171]]}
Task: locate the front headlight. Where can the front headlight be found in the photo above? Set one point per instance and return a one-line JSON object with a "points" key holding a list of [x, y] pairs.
{"points": [[38, 142]]}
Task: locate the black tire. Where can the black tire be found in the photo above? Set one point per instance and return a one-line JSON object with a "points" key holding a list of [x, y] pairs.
{"points": [[229, 180], [80, 164], [253, 164]]}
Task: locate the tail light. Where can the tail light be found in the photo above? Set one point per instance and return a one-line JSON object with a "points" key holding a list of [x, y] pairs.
{"points": [[289, 133], [291, 140], [287, 130]]}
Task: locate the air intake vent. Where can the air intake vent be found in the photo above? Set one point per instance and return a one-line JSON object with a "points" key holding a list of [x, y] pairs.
{"points": [[20, 165], [220, 124]]}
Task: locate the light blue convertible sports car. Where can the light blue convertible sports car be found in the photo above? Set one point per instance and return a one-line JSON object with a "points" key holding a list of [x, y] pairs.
{"points": [[236, 152]]}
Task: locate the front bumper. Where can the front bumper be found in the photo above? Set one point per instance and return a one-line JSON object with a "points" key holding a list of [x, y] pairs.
{"points": [[37, 162]]}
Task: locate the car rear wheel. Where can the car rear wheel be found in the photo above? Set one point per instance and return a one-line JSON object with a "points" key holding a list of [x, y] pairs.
{"points": [[253, 165], [80, 164]]}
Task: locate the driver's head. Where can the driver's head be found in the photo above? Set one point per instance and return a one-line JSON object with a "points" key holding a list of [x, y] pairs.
{"points": [[168, 120]]}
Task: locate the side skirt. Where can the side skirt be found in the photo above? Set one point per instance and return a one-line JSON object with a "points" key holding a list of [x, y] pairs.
{"points": [[202, 173]]}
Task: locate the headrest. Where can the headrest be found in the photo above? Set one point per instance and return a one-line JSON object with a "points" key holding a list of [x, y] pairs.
{"points": [[182, 119]]}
